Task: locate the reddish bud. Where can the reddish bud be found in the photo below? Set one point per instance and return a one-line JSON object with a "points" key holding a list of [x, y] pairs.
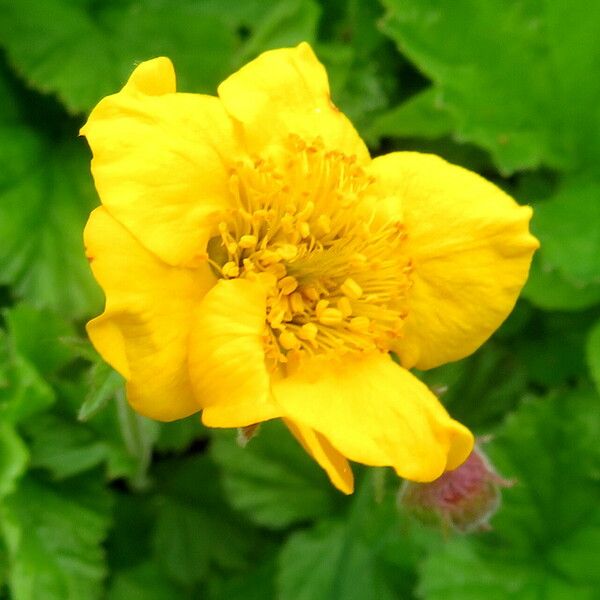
{"points": [[464, 499]]}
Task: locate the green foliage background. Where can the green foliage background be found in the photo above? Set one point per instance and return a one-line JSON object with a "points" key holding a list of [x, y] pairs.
{"points": [[97, 502]]}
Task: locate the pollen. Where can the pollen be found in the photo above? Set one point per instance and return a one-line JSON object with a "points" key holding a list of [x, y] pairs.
{"points": [[303, 218]]}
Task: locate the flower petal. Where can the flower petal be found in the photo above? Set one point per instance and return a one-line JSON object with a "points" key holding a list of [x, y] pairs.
{"points": [[375, 412], [333, 463], [144, 330], [471, 250], [227, 362], [159, 161], [288, 90]]}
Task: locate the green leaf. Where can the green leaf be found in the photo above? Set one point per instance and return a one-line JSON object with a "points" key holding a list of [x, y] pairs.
{"points": [[178, 436], [357, 84], [64, 447], [552, 349], [195, 529], [548, 289], [349, 559], [518, 78], [481, 388], [104, 382], [89, 49], [546, 537], [36, 334], [45, 196], [13, 459], [54, 536], [143, 582], [420, 116], [256, 584], [593, 354], [568, 227], [282, 24], [23, 392], [272, 480], [138, 435]]}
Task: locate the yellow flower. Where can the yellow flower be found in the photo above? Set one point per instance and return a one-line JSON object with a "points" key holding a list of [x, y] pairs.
{"points": [[257, 263]]}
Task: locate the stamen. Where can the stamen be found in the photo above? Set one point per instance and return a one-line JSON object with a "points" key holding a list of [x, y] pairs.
{"points": [[351, 289], [302, 222], [331, 316]]}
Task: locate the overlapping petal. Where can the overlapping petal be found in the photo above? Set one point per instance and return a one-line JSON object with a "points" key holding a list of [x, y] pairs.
{"points": [[227, 364], [332, 462], [144, 330], [375, 412], [471, 250], [160, 161], [289, 90]]}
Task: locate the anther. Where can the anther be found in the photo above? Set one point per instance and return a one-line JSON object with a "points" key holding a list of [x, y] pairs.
{"points": [[310, 292], [248, 241], [351, 289], [230, 269], [304, 229], [344, 306], [320, 307], [287, 251], [278, 270], [330, 316], [308, 331], [297, 303], [288, 284], [359, 324], [288, 340]]}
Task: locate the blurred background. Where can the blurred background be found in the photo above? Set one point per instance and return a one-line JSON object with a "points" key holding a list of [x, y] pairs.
{"points": [[97, 502]]}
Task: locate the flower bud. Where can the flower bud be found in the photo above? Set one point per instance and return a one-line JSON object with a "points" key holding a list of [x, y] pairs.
{"points": [[464, 499]]}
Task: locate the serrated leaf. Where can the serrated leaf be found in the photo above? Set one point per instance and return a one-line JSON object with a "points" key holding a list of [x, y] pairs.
{"points": [[422, 115], [481, 388], [256, 584], [357, 85], [546, 537], [46, 195], [348, 559], [178, 436], [88, 50], [593, 354], [272, 480], [143, 582], [104, 382], [195, 528], [64, 447], [23, 392], [518, 78], [280, 25], [54, 536], [547, 289], [35, 335], [568, 227], [13, 458]]}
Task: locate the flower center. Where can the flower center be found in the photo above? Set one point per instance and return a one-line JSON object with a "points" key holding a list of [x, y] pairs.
{"points": [[338, 276]]}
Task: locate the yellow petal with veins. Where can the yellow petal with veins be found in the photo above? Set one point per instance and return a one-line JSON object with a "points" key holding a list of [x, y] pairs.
{"points": [[289, 90], [144, 330], [375, 412], [227, 362], [470, 248], [160, 161]]}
